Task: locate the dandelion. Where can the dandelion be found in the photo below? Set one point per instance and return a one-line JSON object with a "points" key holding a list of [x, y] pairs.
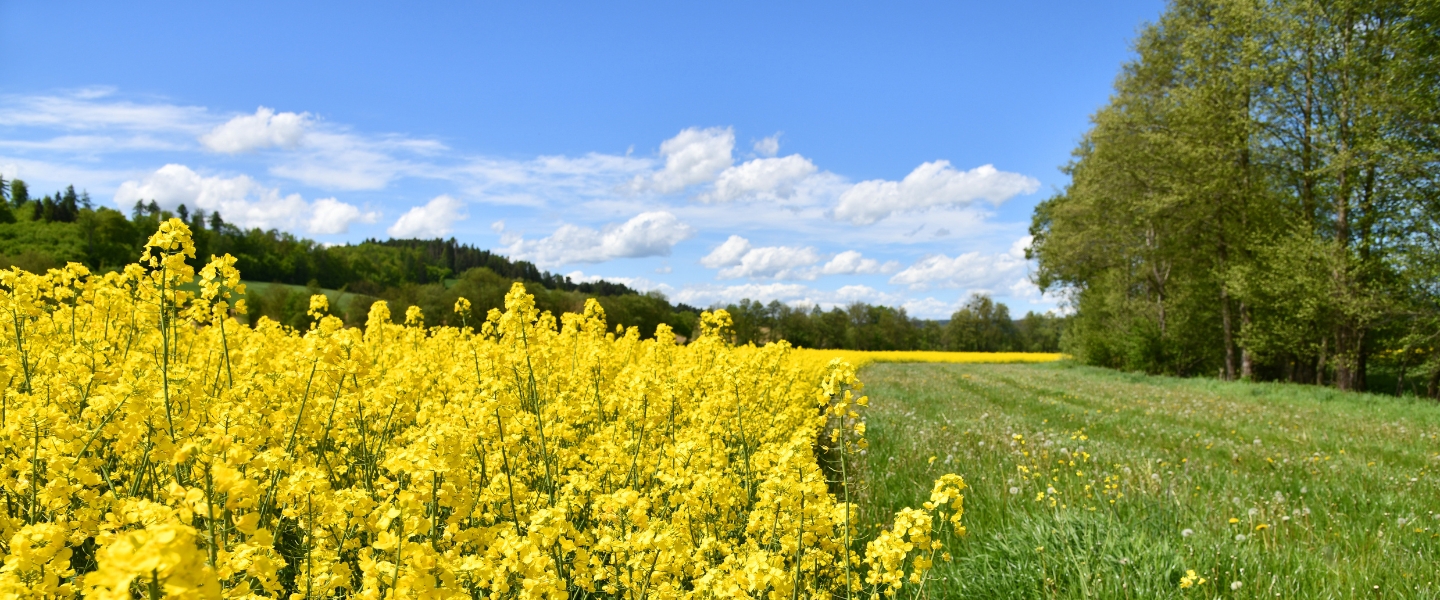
{"points": [[1185, 533], [1191, 580], [1236, 585]]}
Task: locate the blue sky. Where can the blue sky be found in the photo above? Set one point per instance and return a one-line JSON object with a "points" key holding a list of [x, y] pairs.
{"points": [[807, 152]]}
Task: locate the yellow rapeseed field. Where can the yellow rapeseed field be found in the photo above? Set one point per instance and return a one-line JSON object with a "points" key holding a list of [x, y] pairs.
{"points": [[155, 447]]}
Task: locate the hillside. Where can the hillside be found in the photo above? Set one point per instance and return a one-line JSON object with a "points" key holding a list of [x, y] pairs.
{"points": [[284, 270]]}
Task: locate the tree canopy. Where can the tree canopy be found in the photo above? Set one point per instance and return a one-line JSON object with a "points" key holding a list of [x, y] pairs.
{"points": [[1258, 198]]}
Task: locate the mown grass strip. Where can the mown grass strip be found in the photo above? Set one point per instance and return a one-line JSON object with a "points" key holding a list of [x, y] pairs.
{"points": [[1130, 481]]}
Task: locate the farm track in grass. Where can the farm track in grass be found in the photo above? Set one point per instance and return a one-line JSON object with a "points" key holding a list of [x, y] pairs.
{"points": [[1094, 483]]}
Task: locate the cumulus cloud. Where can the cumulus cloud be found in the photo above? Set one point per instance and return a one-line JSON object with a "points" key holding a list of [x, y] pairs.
{"points": [[329, 216], [794, 294], [240, 200], [264, 129], [774, 262], [694, 156], [647, 234], [851, 262], [762, 178], [739, 259], [971, 271], [769, 146], [930, 185], [433, 220], [728, 253]]}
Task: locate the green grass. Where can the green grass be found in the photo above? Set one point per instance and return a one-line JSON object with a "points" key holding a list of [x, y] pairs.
{"points": [[1133, 480]]}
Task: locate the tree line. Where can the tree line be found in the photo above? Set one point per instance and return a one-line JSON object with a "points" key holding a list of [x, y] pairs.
{"points": [[1259, 199], [980, 325], [285, 270]]}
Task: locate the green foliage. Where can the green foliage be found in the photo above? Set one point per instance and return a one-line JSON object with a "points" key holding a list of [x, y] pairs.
{"points": [[283, 271], [1258, 198], [982, 325]]}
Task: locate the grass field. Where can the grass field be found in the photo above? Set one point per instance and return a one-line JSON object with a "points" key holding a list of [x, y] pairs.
{"points": [[1095, 483]]}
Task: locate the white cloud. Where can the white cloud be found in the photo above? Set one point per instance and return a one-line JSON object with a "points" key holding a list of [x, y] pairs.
{"points": [[794, 294], [339, 160], [330, 216], [635, 283], [769, 146], [94, 144], [739, 259], [88, 110], [728, 253], [764, 178], [972, 271], [264, 129], [851, 262], [929, 308], [774, 262], [647, 234], [1017, 249], [240, 200], [433, 220], [694, 156], [930, 185]]}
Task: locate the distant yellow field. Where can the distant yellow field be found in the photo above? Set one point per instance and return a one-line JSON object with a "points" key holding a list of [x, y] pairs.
{"points": [[859, 357]]}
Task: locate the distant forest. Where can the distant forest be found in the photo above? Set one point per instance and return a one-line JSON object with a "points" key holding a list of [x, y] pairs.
{"points": [[46, 232], [1260, 199]]}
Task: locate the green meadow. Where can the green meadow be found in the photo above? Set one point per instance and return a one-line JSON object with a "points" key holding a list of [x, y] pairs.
{"points": [[1091, 483]]}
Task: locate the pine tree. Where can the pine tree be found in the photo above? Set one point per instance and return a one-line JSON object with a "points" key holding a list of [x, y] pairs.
{"points": [[183, 213], [69, 206], [19, 192]]}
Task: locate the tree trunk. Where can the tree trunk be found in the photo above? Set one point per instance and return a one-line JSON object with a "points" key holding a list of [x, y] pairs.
{"points": [[1400, 380], [1360, 383], [1247, 360], [1433, 390], [1228, 334]]}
